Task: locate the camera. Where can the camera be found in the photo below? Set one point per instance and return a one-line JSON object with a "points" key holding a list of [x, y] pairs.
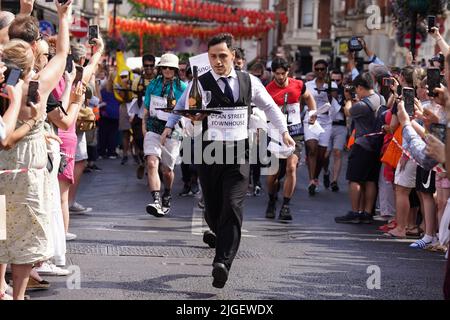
{"points": [[388, 82], [354, 45], [351, 90]]}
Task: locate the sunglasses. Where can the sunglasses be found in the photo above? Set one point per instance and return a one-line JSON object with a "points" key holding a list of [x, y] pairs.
{"points": [[40, 37], [123, 77], [149, 65], [319, 69], [170, 68]]}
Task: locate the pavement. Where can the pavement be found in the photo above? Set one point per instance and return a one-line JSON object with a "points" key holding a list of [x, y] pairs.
{"points": [[122, 253]]}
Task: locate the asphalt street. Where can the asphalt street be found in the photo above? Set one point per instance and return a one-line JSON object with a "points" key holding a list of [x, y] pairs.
{"points": [[123, 253]]}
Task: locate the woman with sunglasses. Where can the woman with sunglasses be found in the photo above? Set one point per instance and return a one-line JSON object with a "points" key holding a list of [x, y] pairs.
{"points": [[167, 83]]}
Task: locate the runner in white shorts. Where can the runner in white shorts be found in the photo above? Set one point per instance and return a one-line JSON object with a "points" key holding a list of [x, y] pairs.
{"points": [[163, 91], [317, 136]]}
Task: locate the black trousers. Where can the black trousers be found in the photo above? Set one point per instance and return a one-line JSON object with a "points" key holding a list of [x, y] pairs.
{"points": [[224, 188], [107, 136]]}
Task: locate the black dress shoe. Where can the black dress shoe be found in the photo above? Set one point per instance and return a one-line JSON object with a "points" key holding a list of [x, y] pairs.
{"points": [[220, 275], [209, 238]]}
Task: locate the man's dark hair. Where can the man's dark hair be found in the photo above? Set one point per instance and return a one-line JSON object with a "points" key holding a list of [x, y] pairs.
{"points": [[364, 80], [222, 37], [279, 62], [321, 61], [240, 54], [25, 28], [148, 57], [258, 66], [408, 74], [336, 71]]}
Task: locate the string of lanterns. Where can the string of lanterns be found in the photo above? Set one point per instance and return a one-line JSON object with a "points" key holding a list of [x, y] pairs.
{"points": [[214, 12], [144, 26]]}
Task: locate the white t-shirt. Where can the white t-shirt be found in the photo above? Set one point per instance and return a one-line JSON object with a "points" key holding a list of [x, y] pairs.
{"points": [[325, 110]]}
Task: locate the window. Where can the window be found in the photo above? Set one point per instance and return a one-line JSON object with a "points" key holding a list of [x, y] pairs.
{"points": [[306, 14]]}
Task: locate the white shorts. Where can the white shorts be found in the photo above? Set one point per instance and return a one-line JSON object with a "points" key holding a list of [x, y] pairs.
{"points": [[167, 154], [81, 153], [406, 177], [323, 138]]}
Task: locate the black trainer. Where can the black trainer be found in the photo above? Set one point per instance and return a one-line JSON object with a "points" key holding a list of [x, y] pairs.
{"points": [[166, 204], [186, 191], [334, 186], [271, 208], [209, 238], [326, 180], [366, 218], [312, 189], [124, 160], [140, 172], [195, 189], [350, 217], [285, 213]]}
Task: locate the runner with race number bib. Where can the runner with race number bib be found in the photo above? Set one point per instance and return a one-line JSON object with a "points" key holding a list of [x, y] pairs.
{"points": [[167, 86], [286, 92]]}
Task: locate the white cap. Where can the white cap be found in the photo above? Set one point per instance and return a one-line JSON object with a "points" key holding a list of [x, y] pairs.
{"points": [[124, 73], [169, 60]]}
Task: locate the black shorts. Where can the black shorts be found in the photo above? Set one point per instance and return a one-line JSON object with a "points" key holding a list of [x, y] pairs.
{"points": [[425, 180], [363, 165]]}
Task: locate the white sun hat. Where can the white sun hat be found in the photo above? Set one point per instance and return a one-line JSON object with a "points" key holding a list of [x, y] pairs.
{"points": [[169, 60]]}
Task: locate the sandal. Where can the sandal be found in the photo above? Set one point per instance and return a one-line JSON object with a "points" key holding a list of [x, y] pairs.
{"points": [[389, 226], [393, 236]]}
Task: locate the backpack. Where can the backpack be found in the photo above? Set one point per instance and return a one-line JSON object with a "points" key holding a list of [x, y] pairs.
{"points": [[376, 140]]}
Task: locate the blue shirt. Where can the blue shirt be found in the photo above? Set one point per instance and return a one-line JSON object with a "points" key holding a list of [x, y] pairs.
{"points": [[373, 59], [156, 88], [111, 110]]}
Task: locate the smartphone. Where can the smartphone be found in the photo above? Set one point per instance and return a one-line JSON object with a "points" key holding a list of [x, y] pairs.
{"points": [[439, 130], [408, 98], [433, 80], [387, 82], [32, 96], [61, 1], [69, 63], [431, 23], [13, 76], [79, 75], [93, 33]]}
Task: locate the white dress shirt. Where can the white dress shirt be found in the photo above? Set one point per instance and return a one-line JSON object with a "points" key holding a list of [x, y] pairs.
{"points": [[260, 98]]}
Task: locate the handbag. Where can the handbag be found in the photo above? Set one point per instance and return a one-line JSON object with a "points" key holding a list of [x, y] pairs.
{"points": [[393, 153], [62, 164], [86, 119]]}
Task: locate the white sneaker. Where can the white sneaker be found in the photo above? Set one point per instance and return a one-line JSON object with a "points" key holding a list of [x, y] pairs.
{"points": [[155, 209], [49, 269], [70, 236], [78, 208]]}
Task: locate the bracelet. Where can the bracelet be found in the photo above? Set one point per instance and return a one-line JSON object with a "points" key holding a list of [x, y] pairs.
{"points": [[29, 125]]}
